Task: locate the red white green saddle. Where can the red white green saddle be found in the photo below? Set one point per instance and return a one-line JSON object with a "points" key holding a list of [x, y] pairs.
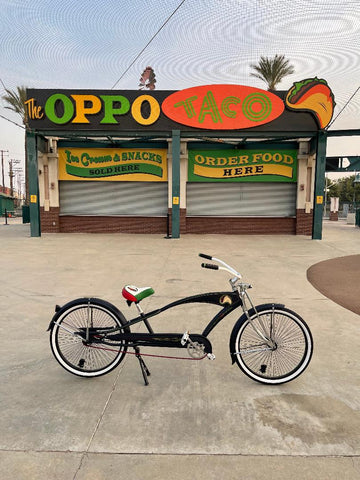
{"points": [[136, 294]]}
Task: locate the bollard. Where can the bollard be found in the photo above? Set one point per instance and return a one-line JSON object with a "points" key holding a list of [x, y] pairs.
{"points": [[168, 226]]}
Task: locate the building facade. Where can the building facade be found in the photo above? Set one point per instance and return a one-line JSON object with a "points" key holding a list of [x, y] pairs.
{"points": [[209, 159]]}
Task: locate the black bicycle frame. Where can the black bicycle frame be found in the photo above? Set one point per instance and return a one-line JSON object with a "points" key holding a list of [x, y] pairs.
{"points": [[229, 301]]}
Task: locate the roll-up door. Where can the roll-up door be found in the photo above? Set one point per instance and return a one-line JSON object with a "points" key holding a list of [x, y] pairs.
{"points": [[114, 198], [241, 199]]}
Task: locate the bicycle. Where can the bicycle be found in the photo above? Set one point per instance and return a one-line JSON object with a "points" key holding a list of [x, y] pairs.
{"points": [[271, 344]]}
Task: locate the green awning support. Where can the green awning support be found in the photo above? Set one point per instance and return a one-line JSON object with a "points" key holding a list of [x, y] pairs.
{"points": [[319, 185], [175, 202], [32, 163]]}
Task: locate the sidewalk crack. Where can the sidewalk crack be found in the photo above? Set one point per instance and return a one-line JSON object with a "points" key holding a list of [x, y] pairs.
{"points": [[86, 451]]}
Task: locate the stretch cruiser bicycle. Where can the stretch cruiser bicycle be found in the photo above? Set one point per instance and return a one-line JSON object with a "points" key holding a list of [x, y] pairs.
{"points": [[271, 344]]}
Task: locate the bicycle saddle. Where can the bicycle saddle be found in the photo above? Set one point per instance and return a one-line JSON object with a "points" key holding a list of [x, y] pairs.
{"points": [[136, 294]]}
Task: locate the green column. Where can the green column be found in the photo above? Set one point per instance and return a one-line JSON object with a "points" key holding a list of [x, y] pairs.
{"points": [[32, 164], [319, 185], [175, 201]]}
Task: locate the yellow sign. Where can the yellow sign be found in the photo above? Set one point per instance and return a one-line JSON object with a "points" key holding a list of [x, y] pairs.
{"points": [[319, 199], [33, 198], [252, 165], [244, 171], [113, 164], [175, 200]]}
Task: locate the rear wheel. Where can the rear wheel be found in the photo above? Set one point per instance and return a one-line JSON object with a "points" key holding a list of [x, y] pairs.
{"points": [[283, 356], [72, 337]]}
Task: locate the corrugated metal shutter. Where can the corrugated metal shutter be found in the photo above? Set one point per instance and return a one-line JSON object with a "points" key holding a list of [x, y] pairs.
{"points": [[114, 198], [241, 199]]}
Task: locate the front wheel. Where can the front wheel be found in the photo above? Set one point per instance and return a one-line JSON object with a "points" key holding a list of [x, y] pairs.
{"points": [[73, 333], [273, 346]]}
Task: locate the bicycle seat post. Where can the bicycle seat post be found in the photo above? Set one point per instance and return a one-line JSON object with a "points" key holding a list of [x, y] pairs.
{"points": [[143, 316]]}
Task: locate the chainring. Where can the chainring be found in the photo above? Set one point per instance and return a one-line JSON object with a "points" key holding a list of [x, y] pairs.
{"points": [[196, 349]]}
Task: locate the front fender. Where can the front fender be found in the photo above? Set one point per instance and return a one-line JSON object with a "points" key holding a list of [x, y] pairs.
{"points": [[242, 319]]}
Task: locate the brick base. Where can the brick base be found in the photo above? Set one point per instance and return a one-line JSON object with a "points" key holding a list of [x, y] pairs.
{"points": [[334, 216], [52, 222], [72, 224], [241, 225], [304, 222]]}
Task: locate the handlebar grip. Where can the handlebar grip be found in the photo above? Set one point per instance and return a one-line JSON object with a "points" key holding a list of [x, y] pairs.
{"points": [[210, 265], [202, 255]]}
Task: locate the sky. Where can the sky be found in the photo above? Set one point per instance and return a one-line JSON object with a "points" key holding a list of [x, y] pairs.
{"points": [[95, 44]]}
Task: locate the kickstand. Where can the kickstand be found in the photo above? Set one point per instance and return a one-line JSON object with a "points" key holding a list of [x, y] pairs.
{"points": [[144, 370]]}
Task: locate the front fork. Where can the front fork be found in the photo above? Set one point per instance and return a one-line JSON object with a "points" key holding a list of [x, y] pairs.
{"points": [[262, 334], [89, 322]]}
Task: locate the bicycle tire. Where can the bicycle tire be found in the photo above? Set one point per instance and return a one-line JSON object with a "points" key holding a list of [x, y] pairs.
{"points": [[75, 355], [291, 353]]}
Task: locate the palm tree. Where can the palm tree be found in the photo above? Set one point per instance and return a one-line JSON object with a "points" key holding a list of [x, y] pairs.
{"points": [[15, 100], [272, 70]]}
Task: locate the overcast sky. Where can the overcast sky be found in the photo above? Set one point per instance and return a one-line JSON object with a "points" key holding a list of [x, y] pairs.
{"points": [[91, 43]]}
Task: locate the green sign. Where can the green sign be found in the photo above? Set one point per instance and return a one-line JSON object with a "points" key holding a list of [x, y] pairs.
{"points": [[242, 165]]}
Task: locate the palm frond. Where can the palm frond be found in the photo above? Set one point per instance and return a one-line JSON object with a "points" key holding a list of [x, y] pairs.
{"points": [[16, 101], [272, 70]]}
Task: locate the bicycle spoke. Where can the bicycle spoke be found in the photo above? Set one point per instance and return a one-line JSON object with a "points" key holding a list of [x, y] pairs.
{"points": [[279, 359], [69, 339]]}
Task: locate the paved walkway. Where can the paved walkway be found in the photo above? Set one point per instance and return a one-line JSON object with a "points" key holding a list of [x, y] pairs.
{"points": [[202, 420], [339, 280]]}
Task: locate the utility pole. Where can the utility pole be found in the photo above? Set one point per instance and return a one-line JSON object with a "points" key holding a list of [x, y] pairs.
{"points": [[12, 162], [2, 165]]}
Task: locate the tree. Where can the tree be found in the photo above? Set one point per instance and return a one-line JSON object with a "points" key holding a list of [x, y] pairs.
{"points": [[348, 191], [272, 70], [16, 102]]}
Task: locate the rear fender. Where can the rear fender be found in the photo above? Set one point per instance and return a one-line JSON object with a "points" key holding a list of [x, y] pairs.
{"points": [[94, 301]]}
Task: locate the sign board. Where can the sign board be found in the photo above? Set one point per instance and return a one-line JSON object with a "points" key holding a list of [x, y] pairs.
{"points": [[113, 164], [242, 165], [307, 106]]}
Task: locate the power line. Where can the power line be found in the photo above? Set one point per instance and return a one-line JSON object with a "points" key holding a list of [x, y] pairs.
{"points": [[346, 104], [11, 121], [152, 38]]}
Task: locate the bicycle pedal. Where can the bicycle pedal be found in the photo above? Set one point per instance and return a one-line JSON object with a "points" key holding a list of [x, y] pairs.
{"points": [[211, 356], [184, 338]]}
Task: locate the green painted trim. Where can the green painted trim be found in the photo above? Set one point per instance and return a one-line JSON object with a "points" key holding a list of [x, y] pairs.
{"points": [[175, 210], [343, 133], [319, 185], [32, 163], [243, 145], [86, 134], [117, 134], [109, 144]]}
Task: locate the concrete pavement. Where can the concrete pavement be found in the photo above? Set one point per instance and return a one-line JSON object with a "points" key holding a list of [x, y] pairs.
{"points": [[195, 419]]}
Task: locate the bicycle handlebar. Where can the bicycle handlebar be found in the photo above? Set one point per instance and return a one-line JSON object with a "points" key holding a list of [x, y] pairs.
{"points": [[210, 265], [225, 266], [202, 255]]}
